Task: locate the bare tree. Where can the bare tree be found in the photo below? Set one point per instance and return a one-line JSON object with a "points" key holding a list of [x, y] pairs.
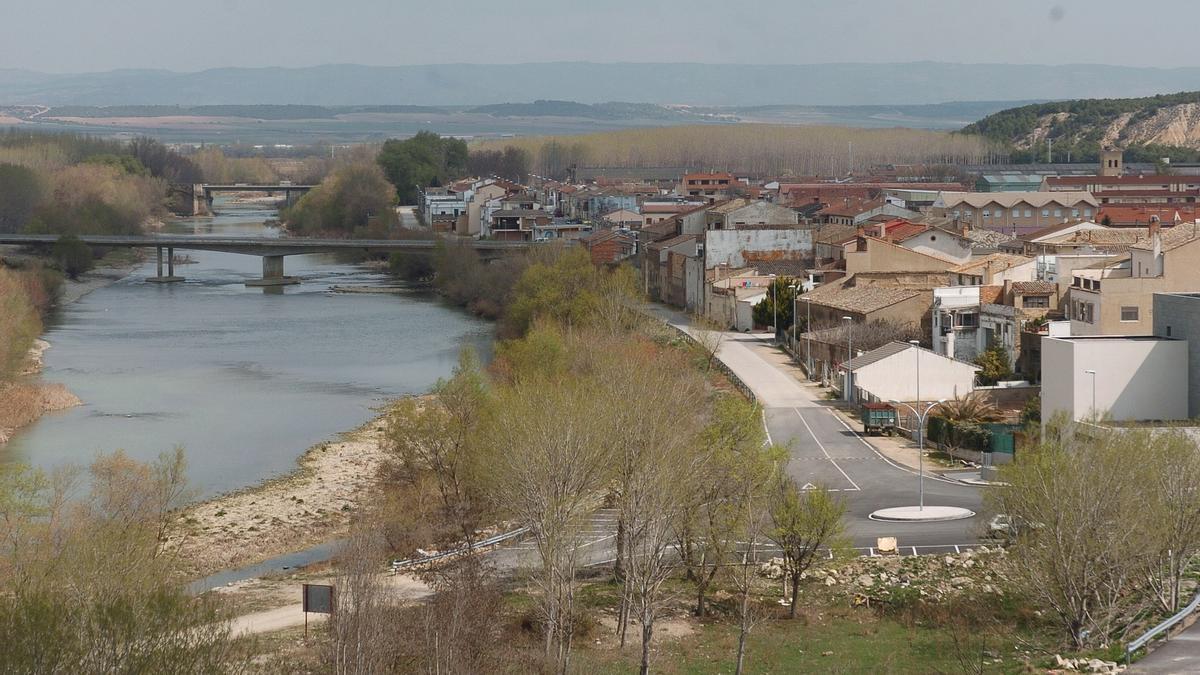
{"points": [[549, 467], [1173, 511], [1077, 501], [708, 338], [707, 532], [803, 523], [360, 630], [752, 475]]}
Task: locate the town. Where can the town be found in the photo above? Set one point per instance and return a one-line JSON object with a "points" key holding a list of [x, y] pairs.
{"points": [[795, 338]]}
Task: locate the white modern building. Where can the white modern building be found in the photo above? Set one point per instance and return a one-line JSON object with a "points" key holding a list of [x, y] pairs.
{"points": [[1124, 378]]}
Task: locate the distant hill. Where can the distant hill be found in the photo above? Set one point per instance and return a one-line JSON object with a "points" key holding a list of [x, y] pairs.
{"points": [[1146, 128], [838, 84]]}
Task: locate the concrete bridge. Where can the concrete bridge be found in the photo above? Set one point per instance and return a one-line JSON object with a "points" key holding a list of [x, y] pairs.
{"points": [[272, 250], [199, 196]]}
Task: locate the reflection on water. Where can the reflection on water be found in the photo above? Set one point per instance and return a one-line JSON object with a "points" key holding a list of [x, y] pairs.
{"points": [[243, 379]]}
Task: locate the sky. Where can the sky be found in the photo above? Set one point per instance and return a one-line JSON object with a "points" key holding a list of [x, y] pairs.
{"points": [[67, 36]]}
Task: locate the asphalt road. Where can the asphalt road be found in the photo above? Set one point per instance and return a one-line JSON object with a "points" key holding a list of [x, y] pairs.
{"points": [[825, 451]]}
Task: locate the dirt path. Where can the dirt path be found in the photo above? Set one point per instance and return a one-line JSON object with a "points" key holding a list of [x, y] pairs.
{"points": [[401, 588]]}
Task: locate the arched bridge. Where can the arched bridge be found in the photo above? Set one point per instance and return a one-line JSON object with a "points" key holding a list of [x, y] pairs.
{"points": [[272, 250]]}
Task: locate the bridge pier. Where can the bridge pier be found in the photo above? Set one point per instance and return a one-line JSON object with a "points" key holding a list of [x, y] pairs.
{"points": [[273, 273], [170, 277]]}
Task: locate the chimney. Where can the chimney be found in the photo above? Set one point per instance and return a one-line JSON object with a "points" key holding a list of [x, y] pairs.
{"points": [[883, 230], [1154, 225], [963, 227]]}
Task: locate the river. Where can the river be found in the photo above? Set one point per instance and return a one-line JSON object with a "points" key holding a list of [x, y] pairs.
{"points": [[244, 380]]}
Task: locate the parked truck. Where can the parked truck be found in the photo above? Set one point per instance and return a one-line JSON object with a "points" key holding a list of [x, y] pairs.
{"points": [[878, 418]]}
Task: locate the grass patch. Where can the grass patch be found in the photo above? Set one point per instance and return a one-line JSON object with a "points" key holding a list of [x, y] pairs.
{"points": [[836, 640]]}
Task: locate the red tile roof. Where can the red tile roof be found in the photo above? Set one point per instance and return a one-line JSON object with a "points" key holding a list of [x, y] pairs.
{"points": [[1138, 215]]}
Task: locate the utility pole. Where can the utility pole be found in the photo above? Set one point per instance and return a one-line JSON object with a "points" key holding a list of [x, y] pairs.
{"points": [[849, 356]]}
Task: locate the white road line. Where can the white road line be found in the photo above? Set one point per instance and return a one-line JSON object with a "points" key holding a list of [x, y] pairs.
{"points": [[766, 428], [956, 550], [931, 476], [822, 447]]}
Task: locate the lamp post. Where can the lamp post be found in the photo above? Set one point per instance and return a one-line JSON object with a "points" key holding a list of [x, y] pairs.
{"points": [[774, 311], [795, 296], [849, 355], [1093, 374], [921, 416], [808, 336]]}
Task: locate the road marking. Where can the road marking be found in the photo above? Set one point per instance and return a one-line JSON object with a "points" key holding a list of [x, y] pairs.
{"points": [[765, 428], [809, 486], [822, 447], [956, 550], [931, 476]]}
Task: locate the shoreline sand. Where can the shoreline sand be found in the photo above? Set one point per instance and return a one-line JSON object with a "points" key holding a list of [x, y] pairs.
{"points": [[314, 504]]}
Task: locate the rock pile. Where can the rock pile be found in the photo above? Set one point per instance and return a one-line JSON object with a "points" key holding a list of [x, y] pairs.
{"points": [[932, 577], [1085, 666]]}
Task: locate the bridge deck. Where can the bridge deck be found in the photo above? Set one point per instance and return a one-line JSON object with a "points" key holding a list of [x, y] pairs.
{"points": [[261, 245]]}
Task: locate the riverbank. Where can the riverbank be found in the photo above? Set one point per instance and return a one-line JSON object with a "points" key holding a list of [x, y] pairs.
{"points": [[26, 399], [312, 505]]}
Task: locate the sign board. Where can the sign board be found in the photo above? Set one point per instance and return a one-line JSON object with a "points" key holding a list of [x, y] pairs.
{"points": [[318, 598]]}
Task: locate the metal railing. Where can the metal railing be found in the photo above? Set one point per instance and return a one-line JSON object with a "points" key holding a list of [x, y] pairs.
{"points": [[1166, 626], [398, 565]]}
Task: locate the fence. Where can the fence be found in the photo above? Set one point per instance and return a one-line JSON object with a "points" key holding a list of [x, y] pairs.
{"points": [[1165, 626]]}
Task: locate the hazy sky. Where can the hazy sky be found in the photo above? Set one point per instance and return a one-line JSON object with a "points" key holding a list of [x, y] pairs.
{"points": [[91, 35]]}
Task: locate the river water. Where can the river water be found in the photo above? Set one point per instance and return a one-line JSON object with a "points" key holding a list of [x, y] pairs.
{"points": [[244, 380]]}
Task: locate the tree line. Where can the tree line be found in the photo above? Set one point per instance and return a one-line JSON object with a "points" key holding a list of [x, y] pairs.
{"points": [[761, 149], [66, 184]]}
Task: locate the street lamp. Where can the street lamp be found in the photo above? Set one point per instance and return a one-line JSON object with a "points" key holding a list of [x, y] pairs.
{"points": [[774, 311], [921, 416], [808, 336], [1094, 411], [795, 296], [849, 355]]}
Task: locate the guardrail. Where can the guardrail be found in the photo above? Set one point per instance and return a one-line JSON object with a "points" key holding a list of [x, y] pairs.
{"points": [[1166, 625], [398, 565]]}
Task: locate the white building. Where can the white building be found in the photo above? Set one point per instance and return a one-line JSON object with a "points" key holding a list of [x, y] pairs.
{"points": [[1125, 378], [890, 373], [966, 320]]}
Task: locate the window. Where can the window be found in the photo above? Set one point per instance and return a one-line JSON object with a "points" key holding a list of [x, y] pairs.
{"points": [[1074, 213], [1087, 212], [987, 213], [1028, 213], [1129, 313], [1016, 213], [1058, 213], [1045, 213], [1036, 302]]}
